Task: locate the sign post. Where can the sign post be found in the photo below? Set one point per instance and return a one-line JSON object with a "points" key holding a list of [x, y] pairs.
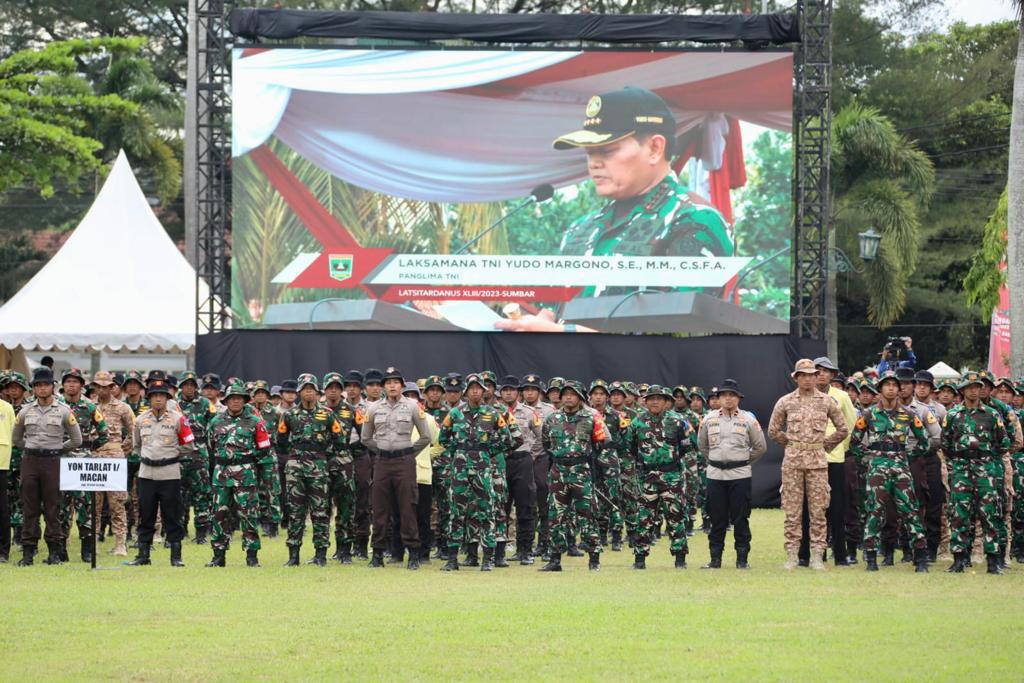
{"points": [[91, 475]]}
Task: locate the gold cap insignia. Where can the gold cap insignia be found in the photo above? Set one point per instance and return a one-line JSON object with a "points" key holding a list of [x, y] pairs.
{"points": [[594, 106]]}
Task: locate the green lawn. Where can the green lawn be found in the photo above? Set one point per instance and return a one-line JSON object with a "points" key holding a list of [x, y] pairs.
{"points": [[272, 623]]}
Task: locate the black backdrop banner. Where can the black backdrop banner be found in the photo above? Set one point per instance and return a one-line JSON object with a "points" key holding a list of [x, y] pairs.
{"points": [[761, 364], [284, 24]]}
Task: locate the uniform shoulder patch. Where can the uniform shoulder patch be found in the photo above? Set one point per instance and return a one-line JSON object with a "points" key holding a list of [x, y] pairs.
{"points": [[71, 418], [861, 423]]}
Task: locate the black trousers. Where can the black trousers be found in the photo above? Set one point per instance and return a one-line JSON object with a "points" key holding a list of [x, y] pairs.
{"points": [[835, 515], [541, 465], [5, 516], [934, 501], [423, 510], [522, 490], [728, 503], [166, 495]]}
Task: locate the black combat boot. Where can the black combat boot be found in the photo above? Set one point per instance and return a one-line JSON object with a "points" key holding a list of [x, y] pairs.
{"points": [[1002, 557], [472, 560], [378, 559], [921, 560], [251, 558], [142, 558], [541, 550], [361, 543], [28, 556], [62, 550], [200, 534], [87, 548], [639, 561], [414, 559], [908, 554], [595, 562], [574, 550], [554, 564], [716, 561], [337, 549], [959, 563], [741, 559], [851, 554], [616, 540], [293, 556], [604, 538], [442, 549], [933, 552], [319, 557], [219, 558], [526, 554], [345, 553], [888, 555], [272, 530], [452, 563], [488, 563], [499, 555], [994, 564], [176, 555], [870, 561], [681, 559]]}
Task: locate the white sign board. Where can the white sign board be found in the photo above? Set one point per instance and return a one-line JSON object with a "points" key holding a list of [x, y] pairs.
{"points": [[93, 474]]}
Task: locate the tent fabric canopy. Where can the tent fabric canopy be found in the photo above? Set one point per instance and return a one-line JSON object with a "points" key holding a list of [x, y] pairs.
{"points": [[119, 282]]}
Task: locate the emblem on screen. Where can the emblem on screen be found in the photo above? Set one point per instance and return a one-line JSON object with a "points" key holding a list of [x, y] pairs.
{"points": [[340, 266]]}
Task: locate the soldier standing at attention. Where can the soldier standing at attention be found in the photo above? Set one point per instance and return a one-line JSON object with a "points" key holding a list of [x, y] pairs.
{"points": [[17, 386], [732, 441], [533, 389], [195, 477], [609, 473], [341, 467], [40, 430], [571, 436], [798, 424], [437, 407], [387, 432], [266, 468], [239, 441], [522, 489], [162, 439], [120, 430], [363, 466]]}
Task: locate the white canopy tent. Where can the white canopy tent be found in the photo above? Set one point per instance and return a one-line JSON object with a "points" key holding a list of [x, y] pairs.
{"points": [[942, 371], [118, 283]]}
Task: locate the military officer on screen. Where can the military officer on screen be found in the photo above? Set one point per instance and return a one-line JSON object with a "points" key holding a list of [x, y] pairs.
{"points": [[629, 136]]}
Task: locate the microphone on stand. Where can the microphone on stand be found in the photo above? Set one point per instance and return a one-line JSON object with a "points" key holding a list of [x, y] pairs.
{"points": [[541, 193]]}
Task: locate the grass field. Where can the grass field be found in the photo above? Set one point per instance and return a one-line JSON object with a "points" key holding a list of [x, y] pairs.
{"points": [[351, 622]]}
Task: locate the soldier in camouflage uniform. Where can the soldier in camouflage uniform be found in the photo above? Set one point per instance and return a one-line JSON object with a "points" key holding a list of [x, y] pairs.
{"points": [[533, 390], [94, 436], [1008, 392], [499, 471], [554, 391], [238, 439], [1014, 432], [629, 482], [974, 440], [266, 468], [662, 443], [882, 437], [309, 434], [608, 476], [573, 436], [16, 388], [436, 407], [474, 434], [696, 472], [341, 467], [196, 487]]}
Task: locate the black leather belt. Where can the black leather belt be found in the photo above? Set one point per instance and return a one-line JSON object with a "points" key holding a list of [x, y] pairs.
{"points": [[161, 463], [400, 453], [728, 464], [517, 455], [43, 452]]}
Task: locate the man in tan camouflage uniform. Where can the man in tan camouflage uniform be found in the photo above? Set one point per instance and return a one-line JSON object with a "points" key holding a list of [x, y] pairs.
{"points": [[120, 427], [798, 424]]}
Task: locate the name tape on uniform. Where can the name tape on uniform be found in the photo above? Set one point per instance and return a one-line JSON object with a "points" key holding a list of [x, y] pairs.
{"points": [[93, 474]]}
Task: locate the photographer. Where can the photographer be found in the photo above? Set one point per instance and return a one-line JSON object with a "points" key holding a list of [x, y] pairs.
{"points": [[897, 353]]}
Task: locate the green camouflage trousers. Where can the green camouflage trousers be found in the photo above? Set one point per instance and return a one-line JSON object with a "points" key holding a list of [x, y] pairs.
{"points": [[471, 498], [74, 505], [499, 482], [630, 498], [571, 493], [609, 491], [236, 503], [662, 495], [889, 479], [269, 490], [14, 493], [196, 490], [308, 492], [974, 494], [441, 483], [342, 478], [1017, 520]]}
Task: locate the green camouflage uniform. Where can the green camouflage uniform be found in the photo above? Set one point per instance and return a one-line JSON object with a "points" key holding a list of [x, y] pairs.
{"points": [[663, 447], [237, 443], [475, 438], [630, 483], [14, 474], [441, 472], [1017, 520], [94, 435], [572, 440], [309, 437], [341, 474], [267, 474], [609, 471], [1007, 414], [880, 441], [499, 475], [973, 440], [196, 487]]}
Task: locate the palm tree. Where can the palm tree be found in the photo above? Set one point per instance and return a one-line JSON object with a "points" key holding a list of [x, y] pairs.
{"points": [[1015, 207], [879, 179]]}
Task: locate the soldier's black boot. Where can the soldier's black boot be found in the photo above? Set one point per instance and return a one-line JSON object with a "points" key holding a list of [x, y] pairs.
{"points": [[272, 530], [200, 534], [472, 560], [87, 548], [526, 554], [499, 555], [378, 559], [933, 552], [337, 549], [595, 562], [442, 549], [1002, 557], [319, 557], [616, 540], [681, 560], [908, 554], [921, 560], [888, 553], [541, 550], [741, 559], [293, 556], [639, 561], [219, 558], [414, 558], [28, 556], [994, 564], [62, 550], [176, 555], [870, 561], [959, 563], [345, 553], [554, 564], [488, 563], [142, 558], [452, 563], [251, 558], [716, 561], [361, 543], [574, 550]]}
